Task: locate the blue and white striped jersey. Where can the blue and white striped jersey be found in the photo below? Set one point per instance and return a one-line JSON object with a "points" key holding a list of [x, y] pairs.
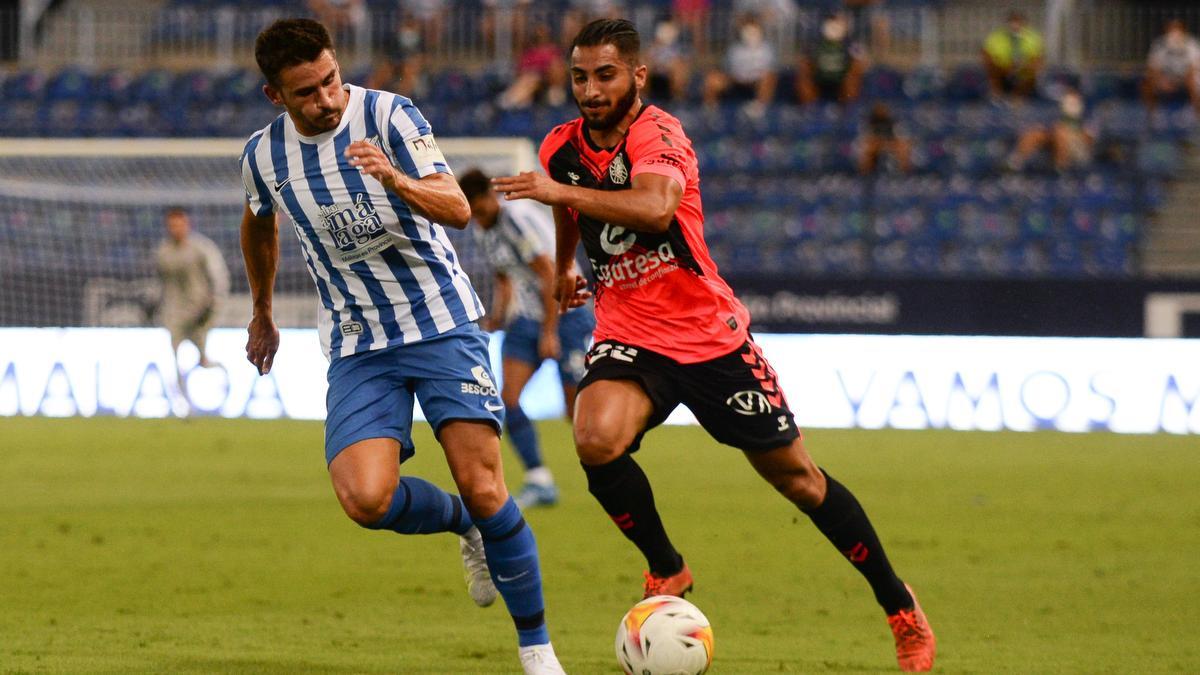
{"points": [[385, 274], [523, 231]]}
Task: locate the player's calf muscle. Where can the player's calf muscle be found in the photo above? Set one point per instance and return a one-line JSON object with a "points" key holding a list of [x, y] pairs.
{"points": [[792, 473]]}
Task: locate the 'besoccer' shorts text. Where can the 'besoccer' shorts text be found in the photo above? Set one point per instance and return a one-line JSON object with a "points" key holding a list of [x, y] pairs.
{"points": [[371, 394], [736, 397]]}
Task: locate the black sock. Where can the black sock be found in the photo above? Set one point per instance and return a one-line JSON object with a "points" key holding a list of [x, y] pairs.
{"points": [[842, 520], [624, 492]]}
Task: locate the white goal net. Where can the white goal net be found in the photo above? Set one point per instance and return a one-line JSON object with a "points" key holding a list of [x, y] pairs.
{"points": [[80, 221]]}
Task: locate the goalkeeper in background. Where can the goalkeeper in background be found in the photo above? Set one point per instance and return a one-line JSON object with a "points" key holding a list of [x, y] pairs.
{"points": [[194, 282]]}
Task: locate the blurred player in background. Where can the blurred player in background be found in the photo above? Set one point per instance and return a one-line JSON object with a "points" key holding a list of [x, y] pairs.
{"points": [[195, 280], [362, 178], [518, 239], [669, 329]]}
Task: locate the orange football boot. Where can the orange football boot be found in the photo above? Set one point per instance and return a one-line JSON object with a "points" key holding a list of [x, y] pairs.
{"points": [[915, 644], [677, 584]]}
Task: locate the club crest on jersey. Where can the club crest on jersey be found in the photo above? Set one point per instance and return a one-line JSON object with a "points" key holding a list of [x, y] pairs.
{"points": [[617, 170], [353, 227], [749, 402]]}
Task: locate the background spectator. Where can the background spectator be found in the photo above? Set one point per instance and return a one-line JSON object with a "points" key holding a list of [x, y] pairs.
{"points": [[1173, 67], [691, 17], [833, 69], [749, 73], [541, 73], [869, 25], [1013, 57], [777, 17], [504, 16], [430, 15], [579, 12], [346, 19], [1068, 139], [669, 62], [881, 142], [402, 68]]}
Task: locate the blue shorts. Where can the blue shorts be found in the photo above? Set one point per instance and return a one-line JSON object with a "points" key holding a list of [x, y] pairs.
{"points": [[371, 394], [522, 336]]}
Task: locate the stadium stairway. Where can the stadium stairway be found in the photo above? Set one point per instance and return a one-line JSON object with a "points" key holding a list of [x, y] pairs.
{"points": [[1172, 238]]}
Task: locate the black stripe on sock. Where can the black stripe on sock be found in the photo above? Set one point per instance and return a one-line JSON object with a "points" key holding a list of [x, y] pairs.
{"points": [[407, 502], [516, 529], [530, 622], [456, 514]]}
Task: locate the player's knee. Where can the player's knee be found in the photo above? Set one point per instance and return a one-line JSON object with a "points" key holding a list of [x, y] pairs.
{"points": [[510, 399], [599, 444], [482, 497], [366, 506]]}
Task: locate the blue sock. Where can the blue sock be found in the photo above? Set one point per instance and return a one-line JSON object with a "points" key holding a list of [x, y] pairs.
{"points": [[513, 561], [420, 507], [523, 436]]}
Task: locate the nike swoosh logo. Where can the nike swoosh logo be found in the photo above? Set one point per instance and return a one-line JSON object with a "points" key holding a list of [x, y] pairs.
{"points": [[492, 407], [503, 579], [279, 186]]}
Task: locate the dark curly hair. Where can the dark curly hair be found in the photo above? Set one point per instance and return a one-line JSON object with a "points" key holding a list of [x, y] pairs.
{"points": [[474, 183], [616, 32], [289, 42]]}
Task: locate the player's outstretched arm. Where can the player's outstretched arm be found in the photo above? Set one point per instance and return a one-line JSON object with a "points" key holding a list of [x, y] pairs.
{"points": [[649, 206], [436, 196], [570, 289], [260, 250]]}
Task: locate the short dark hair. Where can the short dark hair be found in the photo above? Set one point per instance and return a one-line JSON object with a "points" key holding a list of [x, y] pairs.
{"points": [[616, 32], [175, 211], [289, 42], [474, 183]]}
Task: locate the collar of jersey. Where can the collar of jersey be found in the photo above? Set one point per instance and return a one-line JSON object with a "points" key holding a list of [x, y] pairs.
{"points": [[355, 94]]}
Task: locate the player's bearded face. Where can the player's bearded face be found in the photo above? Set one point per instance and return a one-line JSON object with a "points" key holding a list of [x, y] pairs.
{"points": [[604, 84], [601, 114], [313, 95]]}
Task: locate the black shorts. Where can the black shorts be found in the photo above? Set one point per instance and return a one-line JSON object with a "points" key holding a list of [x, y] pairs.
{"points": [[736, 397]]}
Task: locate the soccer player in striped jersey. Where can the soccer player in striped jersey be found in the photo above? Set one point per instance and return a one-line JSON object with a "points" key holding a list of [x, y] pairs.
{"points": [[669, 330], [367, 190], [518, 239]]}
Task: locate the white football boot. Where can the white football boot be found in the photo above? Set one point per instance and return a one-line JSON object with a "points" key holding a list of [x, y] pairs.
{"points": [[475, 568], [540, 660]]}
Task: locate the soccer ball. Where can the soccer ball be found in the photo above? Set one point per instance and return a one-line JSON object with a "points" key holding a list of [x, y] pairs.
{"points": [[664, 635]]}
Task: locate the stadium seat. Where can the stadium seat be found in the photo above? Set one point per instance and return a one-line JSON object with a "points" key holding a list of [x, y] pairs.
{"points": [[68, 84], [882, 82], [27, 85], [781, 189], [967, 83]]}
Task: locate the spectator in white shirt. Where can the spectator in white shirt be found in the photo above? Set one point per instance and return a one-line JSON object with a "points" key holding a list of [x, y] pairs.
{"points": [[1173, 67]]}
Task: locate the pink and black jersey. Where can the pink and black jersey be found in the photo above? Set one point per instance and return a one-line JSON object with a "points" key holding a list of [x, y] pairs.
{"points": [[660, 291]]}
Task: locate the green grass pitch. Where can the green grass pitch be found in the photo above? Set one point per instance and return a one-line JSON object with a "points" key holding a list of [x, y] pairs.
{"points": [[216, 546]]}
